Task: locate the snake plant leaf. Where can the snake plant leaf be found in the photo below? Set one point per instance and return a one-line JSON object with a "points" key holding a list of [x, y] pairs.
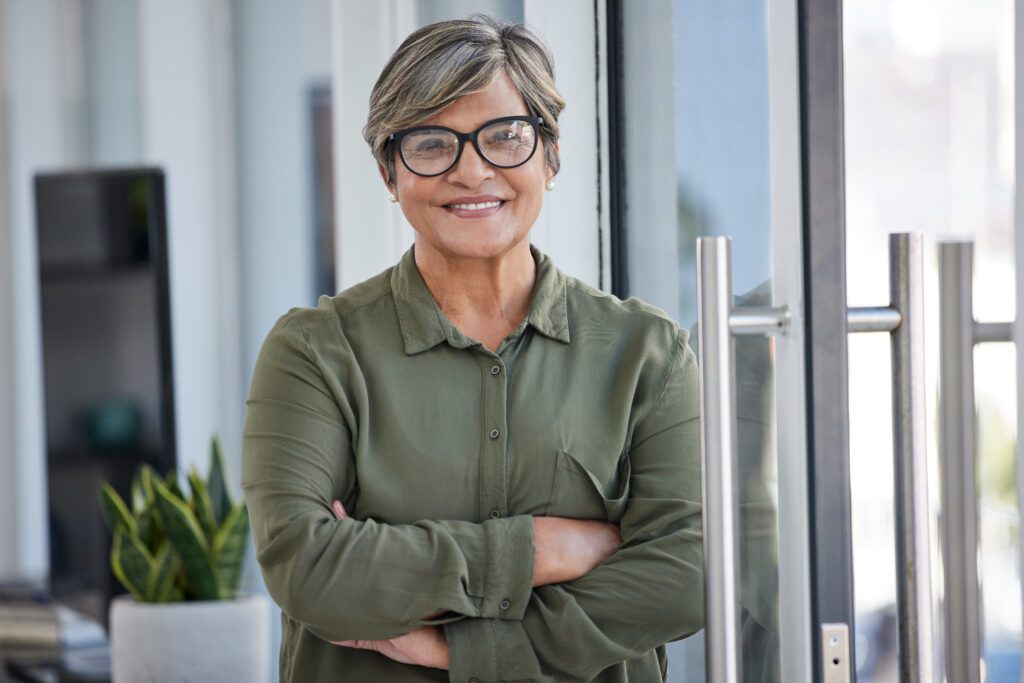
{"points": [[165, 568], [147, 475], [184, 531], [138, 494], [229, 549], [171, 482], [115, 511], [201, 504], [147, 524], [131, 563], [217, 487]]}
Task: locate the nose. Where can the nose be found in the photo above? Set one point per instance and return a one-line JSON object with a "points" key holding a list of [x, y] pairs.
{"points": [[471, 169]]}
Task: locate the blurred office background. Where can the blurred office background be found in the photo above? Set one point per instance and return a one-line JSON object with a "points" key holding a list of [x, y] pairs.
{"points": [[253, 109]]}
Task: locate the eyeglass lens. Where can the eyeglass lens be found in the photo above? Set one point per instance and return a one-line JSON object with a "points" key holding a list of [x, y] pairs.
{"points": [[503, 143]]}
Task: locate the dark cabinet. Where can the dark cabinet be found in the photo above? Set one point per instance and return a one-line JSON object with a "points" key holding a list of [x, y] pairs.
{"points": [[106, 334]]}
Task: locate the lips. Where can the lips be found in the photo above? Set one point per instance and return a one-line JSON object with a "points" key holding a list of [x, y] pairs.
{"points": [[475, 207]]}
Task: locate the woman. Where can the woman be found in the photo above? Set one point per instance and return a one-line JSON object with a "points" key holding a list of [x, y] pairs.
{"points": [[439, 461]]}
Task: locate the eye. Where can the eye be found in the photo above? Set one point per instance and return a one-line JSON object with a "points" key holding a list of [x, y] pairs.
{"points": [[514, 133], [427, 144], [431, 144]]}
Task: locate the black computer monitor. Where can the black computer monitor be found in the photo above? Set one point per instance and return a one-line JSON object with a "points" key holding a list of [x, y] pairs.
{"points": [[106, 335]]}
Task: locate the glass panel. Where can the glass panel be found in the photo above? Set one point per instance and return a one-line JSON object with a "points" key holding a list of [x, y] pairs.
{"points": [[697, 164], [929, 147]]}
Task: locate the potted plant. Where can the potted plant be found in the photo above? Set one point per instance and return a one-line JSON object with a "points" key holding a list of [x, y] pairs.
{"points": [[180, 558]]}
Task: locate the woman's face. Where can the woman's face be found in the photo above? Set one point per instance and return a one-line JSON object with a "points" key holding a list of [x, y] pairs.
{"points": [[435, 206]]}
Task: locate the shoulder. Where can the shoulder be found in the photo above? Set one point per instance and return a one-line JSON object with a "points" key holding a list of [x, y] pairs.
{"points": [[328, 317], [632, 320], [640, 340]]}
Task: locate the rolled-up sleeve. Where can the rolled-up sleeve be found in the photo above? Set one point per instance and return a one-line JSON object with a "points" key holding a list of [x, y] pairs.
{"points": [[648, 593], [356, 579]]}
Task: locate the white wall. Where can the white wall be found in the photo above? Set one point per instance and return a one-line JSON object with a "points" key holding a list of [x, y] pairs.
{"points": [[185, 68], [34, 58], [111, 75], [8, 465], [371, 233], [573, 223], [275, 166]]}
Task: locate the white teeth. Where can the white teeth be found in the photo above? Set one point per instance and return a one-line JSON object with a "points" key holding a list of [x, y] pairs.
{"points": [[475, 207]]}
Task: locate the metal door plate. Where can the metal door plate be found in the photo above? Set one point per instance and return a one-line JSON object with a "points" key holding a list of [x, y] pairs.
{"points": [[835, 653]]}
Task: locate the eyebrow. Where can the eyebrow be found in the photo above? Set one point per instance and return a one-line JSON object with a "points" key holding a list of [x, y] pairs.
{"points": [[441, 126]]}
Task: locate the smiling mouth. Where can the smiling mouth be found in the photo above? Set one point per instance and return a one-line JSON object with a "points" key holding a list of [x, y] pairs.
{"points": [[478, 206]]}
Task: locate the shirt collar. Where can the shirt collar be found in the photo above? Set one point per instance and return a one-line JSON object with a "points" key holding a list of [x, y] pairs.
{"points": [[424, 325]]}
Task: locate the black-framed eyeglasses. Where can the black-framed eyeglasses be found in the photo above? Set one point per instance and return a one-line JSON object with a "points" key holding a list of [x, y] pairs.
{"points": [[506, 142]]}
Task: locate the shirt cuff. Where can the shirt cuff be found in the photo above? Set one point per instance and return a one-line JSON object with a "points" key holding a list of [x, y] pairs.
{"points": [[473, 655], [508, 582], [472, 651]]}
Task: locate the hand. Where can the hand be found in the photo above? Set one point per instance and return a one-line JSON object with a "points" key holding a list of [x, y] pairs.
{"points": [[566, 549], [426, 646]]}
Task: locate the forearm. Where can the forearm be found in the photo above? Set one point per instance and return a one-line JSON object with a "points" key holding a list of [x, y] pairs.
{"points": [[356, 579], [642, 597]]}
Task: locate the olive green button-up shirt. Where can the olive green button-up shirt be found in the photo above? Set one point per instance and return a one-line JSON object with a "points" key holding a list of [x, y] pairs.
{"points": [[442, 450]]}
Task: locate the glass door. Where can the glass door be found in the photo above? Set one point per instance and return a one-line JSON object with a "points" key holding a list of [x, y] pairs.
{"points": [[706, 114], [734, 119], [930, 138]]}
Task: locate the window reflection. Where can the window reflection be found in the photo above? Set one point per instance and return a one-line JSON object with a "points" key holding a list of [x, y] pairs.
{"points": [[697, 164]]}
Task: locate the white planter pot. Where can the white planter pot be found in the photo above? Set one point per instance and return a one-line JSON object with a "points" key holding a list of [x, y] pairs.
{"points": [[181, 642]]}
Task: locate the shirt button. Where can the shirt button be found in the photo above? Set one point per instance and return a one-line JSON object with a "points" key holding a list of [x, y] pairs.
{"points": [[495, 514], [494, 433], [495, 369], [504, 604]]}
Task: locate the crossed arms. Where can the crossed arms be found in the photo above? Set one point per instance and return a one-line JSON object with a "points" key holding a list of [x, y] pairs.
{"points": [[556, 603]]}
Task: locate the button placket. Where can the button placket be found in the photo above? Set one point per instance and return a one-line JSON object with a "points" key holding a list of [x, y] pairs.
{"points": [[494, 453]]}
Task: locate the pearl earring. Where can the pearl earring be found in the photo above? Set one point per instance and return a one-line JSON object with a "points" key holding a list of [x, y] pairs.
{"points": [[392, 197], [550, 185]]}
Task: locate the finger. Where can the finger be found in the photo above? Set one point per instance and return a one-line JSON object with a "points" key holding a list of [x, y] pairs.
{"points": [[350, 643], [339, 510]]}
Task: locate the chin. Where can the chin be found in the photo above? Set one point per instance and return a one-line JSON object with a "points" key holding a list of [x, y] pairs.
{"points": [[479, 250], [478, 246]]}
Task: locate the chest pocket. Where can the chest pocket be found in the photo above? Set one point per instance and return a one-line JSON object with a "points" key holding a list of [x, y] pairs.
{"points": [[578, 493]]}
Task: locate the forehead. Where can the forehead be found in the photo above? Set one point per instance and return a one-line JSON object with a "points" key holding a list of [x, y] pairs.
{"points": [[499, 98]]}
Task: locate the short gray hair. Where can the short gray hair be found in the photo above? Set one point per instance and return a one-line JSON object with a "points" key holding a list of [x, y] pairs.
{"points": [[441, 62]]}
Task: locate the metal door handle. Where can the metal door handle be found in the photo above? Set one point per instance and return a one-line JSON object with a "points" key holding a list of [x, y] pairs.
{"points": [[717, 323], [910, 457], [957, 446]]}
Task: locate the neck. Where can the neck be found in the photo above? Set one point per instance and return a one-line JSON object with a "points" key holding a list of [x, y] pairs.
{"points": [[477, 290]]}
